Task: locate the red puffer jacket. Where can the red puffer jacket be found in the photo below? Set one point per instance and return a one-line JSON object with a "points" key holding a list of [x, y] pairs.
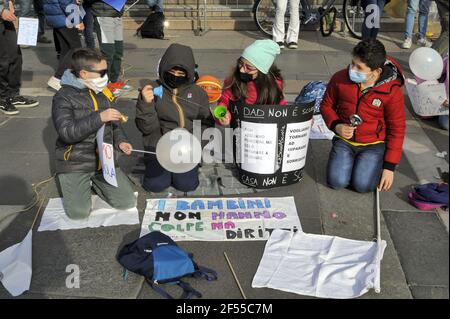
{"points": [[381, 107]]}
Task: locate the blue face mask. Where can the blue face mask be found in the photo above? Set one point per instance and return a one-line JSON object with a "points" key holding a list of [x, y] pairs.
{"points": [[356, 76]]}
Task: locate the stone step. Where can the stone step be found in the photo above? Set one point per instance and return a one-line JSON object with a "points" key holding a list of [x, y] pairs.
{"points": [[190, 11]]}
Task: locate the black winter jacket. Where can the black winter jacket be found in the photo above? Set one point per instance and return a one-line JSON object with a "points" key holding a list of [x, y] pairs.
{"points": [[77, 123], [162, 115]]}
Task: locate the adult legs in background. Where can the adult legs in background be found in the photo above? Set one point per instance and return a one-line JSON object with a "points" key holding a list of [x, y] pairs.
{"points": [[441, 44], [294, 24], [10, 67], [373, 10], [278, 31], [88, 21], [69, 40]]}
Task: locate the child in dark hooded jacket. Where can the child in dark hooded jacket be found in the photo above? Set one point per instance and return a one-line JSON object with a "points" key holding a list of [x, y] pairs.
{"points": [[181, 103]]}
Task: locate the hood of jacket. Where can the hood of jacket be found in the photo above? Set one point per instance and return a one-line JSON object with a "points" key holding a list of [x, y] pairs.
{"points": [[178, 55], [70, 79]]}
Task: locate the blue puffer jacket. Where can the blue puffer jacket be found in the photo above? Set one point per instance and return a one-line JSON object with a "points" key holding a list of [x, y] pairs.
{"points": [[55, 12]]}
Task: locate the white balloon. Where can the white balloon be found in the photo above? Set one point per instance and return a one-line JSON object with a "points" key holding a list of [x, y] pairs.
{"points": [[178, 151], [426, 64]]}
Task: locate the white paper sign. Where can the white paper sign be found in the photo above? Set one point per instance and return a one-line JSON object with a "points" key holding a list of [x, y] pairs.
{"points": [[296, 146], [258, 147], [28, 31], [106, 153], [427, 97], [220, 219]]}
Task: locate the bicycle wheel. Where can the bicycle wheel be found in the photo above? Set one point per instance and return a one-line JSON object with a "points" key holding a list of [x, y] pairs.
{"points": [[327, 21], [264, 15], [354, 17]]}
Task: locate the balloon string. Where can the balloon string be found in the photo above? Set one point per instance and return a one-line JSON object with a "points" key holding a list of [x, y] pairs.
{"points": [[141, 151]]}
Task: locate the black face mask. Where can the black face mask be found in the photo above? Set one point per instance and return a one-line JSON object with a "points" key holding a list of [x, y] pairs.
{"points": [[174, 81], [245, 77]]}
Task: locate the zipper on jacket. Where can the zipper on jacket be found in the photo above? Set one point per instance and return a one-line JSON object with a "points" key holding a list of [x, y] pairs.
{"points": [[67, 153], [179, 108]]}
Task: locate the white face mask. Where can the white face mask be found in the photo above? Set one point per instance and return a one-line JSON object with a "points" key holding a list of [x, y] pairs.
{"points": [[97, 84]]}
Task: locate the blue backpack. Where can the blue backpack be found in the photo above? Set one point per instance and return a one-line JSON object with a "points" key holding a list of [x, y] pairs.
{"points": [[159, 259]]}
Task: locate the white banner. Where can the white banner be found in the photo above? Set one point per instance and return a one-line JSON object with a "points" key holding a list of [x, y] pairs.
{"points": [[220, 219]]}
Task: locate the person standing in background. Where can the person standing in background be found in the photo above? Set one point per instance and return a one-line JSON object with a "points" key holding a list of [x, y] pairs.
{"points": [[65, 31], [108, 25], [424, 8], [294, 24], [88, 21], [441, 44], [372, 22], [26, 12], [10, 63]]}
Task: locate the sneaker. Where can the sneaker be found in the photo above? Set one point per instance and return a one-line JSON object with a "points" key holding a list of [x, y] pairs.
{"points": [[54, 83], [43, 39], [423, 42], [281, 44], [407, 43], [8, 108], [292, 45], [20, 101]]}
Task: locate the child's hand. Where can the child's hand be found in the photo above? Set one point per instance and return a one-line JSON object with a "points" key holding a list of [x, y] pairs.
{"points": [[445, 103], [147, 94], [110, 115], [226, 120], [126, 148], [387, 179], [345, 130]]}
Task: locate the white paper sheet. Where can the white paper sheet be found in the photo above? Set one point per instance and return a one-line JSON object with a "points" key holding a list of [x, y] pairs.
{"points": [[427, 97], [106, 152], [28, 31], [258, 147], [319, 265], [102, 214], [15, 266], [296, 146]]}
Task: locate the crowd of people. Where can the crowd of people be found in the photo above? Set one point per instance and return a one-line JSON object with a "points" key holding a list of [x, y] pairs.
{"points": [[362, 157]]}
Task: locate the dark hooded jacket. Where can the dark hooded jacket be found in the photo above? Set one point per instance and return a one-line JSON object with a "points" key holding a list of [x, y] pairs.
{"points": [[163, 115], [76, 121], [381, 107]]}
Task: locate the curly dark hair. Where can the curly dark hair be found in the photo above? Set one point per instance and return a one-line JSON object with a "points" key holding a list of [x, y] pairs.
{"points": [[371, 52]]}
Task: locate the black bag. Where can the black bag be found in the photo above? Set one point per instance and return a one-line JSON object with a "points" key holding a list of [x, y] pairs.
{"points": [[153, 26]]}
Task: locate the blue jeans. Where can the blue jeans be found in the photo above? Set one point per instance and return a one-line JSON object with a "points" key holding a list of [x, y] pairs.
{"points": [[371, 25], [424, 7], [157, 179], [443, 122], [359, 167], [158, 3]]}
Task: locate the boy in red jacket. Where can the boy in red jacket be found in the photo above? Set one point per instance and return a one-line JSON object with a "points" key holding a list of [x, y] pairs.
{"points": [[371, 89]]}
